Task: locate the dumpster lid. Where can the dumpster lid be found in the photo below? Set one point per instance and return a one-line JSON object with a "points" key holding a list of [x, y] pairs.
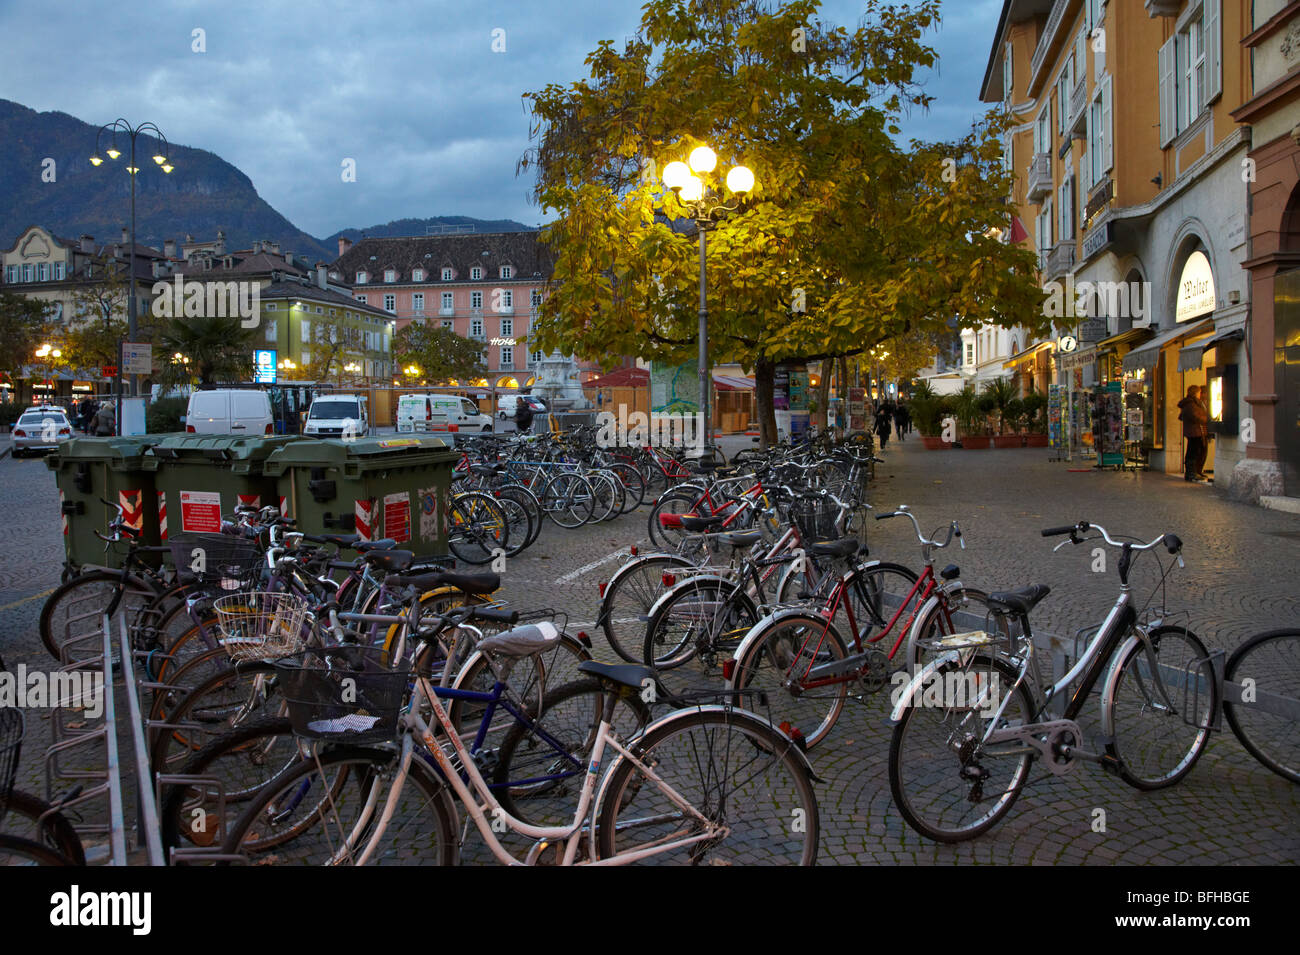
{"points": [[113, 449], [219, 447], [334, 452]]}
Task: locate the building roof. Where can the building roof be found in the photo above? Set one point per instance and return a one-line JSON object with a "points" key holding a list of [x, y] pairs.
{"points": [[522, 250], [621, 378], [292, 288], [1013, 11]]}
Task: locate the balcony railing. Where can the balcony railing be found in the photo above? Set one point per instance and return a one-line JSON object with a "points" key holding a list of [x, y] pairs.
{"points": [[447, 310], [477, 337], [1060, 259], [1079, 109], [1039, 181]]}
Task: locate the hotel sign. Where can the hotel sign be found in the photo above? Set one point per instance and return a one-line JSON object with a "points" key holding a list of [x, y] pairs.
{"points": [[1098, 237], [1195, 289]]}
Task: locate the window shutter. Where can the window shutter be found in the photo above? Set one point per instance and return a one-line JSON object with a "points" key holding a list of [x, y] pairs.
{"points": [[1081, 55], [1107, 128], [1212, 37], [1168, 92]]}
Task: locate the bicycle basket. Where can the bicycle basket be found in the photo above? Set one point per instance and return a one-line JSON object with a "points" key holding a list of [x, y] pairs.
{"points": [[12, 727], [343, 693], [257, 626], [815, 516], [222, 560]]}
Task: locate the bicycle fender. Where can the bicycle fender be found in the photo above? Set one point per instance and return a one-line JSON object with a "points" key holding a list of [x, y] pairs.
{"points": [[627, 567], [1112, 679], [723, 582], [923, 614], [916, 684], [775, 617]]}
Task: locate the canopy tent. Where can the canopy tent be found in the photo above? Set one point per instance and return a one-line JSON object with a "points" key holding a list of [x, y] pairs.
{"points": [[732, 383], [621, 378]]}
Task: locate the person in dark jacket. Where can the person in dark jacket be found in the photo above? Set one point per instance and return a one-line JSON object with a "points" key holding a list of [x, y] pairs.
{"points": [[902, 420], [523, 415], [104, 423], [1196, 419], [884, 423]]}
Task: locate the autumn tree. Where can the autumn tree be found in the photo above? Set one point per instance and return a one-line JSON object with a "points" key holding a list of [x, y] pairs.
{"points": [[848, 240], [439, 353], [25, 323]]}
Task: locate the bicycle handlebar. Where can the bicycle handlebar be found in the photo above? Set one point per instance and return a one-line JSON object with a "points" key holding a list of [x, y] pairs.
{"points": [[954, 529], [1173, 543]]}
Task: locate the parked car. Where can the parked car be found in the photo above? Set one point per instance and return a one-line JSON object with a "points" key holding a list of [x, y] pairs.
{"points": [[507, 404], [335, 415], [41, 428], [229, 411]]}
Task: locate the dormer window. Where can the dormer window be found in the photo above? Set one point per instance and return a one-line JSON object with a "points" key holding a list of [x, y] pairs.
{"points": [[446, 275], [362, 278], [507, 272], [390, 275], [417, 275], [476, 272]]}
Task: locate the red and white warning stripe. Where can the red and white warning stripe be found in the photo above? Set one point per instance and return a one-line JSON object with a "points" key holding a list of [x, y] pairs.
{"points": [[284, 506], [365, 515], [162, 515], [132, 504], [254, 499], [64, 514]]}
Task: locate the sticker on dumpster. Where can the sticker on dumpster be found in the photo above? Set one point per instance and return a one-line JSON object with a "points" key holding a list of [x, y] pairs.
{"points": [[428, 498], [397, 517], [201, 511], [132, 504], [400, 443], [162, 516]]}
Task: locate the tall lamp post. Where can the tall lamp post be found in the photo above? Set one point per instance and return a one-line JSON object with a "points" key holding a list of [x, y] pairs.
{"points": [[160, 158], [694, 186]]}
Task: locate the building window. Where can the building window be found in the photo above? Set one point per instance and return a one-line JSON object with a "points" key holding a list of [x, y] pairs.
{"points": [[319, 310], [1100, 145], [390, 303], [333, 313], [476, 328], [507, 357], [27, 272], [58, 271], [475, 299], [42, 272], [447, 305], [361, 278], [507, 297], [507, 272], [390, 275], [970, 353], [476, 273], [1066, 201], [535, 298], [271, 307], [417, 301], [1064, 86], [1190, 68], [535, 357], [306, 358], [1043, 129], [362, 299], [507, 327], [448, 323], [446, 275], [306, 332], [11, 274], [417, 275], [1044, 232]]}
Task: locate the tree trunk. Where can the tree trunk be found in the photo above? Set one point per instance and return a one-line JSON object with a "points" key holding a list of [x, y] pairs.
{"points": [[823, 395], [764, 387]]}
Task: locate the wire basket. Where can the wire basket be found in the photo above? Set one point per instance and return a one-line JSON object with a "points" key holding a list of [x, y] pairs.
{"points": [[816, 517], [12, 728], [259, 626], [216, 560], [343, 694]]}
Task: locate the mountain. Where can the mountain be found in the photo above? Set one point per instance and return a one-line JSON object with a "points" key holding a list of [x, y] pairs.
{"points": [[211, 195]]}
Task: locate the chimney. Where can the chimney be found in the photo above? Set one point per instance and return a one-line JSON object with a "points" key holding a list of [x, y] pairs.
{"points": [[344, 244], [257, 246], [321, 278], [88, 244], [126, 235], [220, 245], [169, 248], [273, 247]]}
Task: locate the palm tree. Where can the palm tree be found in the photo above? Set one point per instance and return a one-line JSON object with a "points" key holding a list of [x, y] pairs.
{"points": [[1000, 392], [217, 347]]}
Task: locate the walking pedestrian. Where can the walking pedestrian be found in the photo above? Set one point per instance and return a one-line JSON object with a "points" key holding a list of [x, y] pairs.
{"points": [[1196, 419], [902, 418], [104, 423], [884, 422], [523, 415]]}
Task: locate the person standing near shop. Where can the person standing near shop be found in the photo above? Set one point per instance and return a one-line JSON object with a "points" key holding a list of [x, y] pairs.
{"points": [[1196, 419], [104, 423]]}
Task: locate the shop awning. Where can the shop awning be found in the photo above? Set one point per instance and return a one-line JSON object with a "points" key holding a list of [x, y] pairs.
{"points": [[621, 378], [1147, 356], [732, 383], [1131, 337], [1236, 335], [1028, 353], [1191, 357]]}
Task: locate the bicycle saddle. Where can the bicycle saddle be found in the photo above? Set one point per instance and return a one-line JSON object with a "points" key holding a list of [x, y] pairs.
{"points": [[364, 547], [470, 583], [624, 674], [739, 539], [523, 641], [693, 522], [844, 547], [390, 561], [1019, 601]]}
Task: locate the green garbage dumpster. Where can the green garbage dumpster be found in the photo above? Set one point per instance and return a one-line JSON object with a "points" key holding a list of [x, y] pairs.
{"points": [[90, 471], [200, 477], [376, 487]]}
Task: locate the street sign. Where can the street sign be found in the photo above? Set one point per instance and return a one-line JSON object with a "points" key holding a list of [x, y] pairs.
{"points": [[1068, 343], [137, 358], [264, 366], [108, 371]]}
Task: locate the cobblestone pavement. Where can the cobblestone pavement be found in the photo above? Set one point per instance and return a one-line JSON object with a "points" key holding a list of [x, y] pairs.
{"points": [[1239, 580]]}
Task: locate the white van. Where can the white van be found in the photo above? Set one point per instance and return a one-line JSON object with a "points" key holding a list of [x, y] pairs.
{"points": [[229, 411], [414, 413], [507, 404], [335, 415]]}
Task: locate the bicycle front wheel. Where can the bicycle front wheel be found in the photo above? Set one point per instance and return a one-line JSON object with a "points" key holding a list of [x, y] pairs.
{"points": [[625, 605], [1265, 713], [568, 500], [70, 623], [947, 783], [1160, 728], [477, 527], [747, 792]]}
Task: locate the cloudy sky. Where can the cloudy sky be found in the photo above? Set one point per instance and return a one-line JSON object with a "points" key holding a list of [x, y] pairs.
{"points": [[410, 89]]}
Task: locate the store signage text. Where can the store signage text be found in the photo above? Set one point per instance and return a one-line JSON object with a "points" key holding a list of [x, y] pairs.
{"points": [[508, 342], [1195, 288], [1098, 238]]}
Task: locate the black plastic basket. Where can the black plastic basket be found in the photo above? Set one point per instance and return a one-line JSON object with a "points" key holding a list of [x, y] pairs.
{"points": [[221, 561], [12, 727], [816, 517], [343, 694]]}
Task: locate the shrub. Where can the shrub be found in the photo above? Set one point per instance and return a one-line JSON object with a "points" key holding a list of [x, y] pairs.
{"points": [[1035, 402], [164, 415]]}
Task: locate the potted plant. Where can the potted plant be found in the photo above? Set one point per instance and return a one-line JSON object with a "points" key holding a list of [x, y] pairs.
{"points": [[1009, 433], [928, 413], [981, 432], [1035, 404]]}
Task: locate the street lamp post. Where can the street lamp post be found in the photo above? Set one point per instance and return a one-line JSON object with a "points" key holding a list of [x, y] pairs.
{"points": [[160, 158], [693, 185]]}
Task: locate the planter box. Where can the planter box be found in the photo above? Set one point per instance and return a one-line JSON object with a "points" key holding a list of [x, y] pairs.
{"points": [[976, 442], [1008, 441], [935, 444], [1036, 441]]}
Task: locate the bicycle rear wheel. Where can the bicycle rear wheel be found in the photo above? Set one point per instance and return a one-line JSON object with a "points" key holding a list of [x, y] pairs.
{"points": [[477, 527], [625, 605], [568, 500], [1158, 737], [734, 771], [1268, 723], [946, 784]]}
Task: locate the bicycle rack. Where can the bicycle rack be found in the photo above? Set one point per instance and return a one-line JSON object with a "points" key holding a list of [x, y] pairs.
{"points": [[1192, 684]]}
